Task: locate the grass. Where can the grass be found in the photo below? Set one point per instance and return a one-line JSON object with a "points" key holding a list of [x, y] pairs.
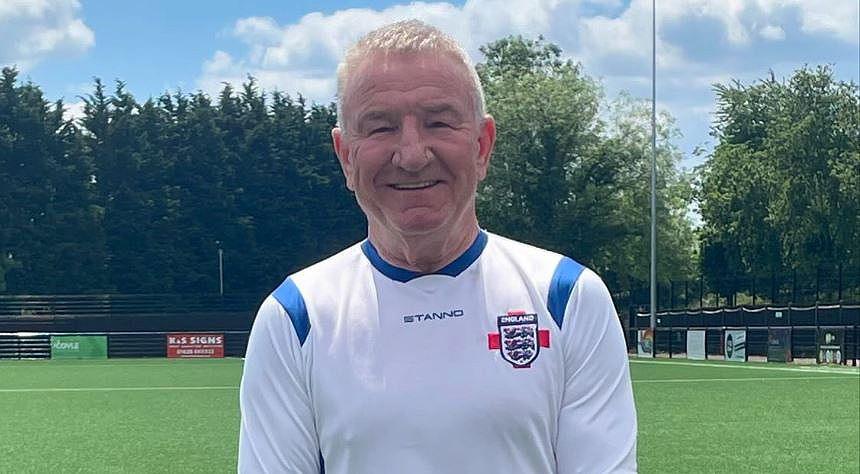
{"points": [[159, 415], [719, 417], [166, 430]]}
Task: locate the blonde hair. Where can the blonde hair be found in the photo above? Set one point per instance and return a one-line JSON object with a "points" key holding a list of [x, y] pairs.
{"points": [[409, 36]]}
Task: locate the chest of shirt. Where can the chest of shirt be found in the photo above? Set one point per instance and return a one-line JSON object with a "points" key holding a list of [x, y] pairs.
{"points": [[439, 357]]}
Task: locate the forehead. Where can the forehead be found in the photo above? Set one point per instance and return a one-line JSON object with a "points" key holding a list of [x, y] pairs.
{"points": [[408, 80]]}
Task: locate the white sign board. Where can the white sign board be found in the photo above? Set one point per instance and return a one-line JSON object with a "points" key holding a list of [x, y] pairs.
{"points": [[736, 344], [644, 343], [696, 344]]}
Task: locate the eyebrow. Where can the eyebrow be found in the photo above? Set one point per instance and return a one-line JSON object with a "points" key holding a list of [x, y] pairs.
{"points": [[436, 109], [374, 115], [441, 108]]}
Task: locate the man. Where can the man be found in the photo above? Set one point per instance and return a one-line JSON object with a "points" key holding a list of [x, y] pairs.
{"points": [[433, 346]]}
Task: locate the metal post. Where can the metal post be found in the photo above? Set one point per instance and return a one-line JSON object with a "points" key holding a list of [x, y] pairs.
{"points": [[220, 270], [856, 345], [839, 296], [671, 333], [773, 288], [844, 337], [753, 291], [794, 286], [654, 174], [687, 294], [817, 284], [671, 294]]}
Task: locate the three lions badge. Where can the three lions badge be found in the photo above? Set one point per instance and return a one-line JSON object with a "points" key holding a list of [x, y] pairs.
{"points": [[519, 339]]}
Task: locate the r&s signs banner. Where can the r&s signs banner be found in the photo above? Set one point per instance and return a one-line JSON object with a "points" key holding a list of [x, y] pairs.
{"points": [[199, 345]]}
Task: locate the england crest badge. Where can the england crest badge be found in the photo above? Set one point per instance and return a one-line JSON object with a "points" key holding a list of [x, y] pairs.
{"points": [[519, 339]]}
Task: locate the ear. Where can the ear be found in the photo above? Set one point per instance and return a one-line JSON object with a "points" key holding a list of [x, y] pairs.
{"points": [[486, 142], [342, 151]]}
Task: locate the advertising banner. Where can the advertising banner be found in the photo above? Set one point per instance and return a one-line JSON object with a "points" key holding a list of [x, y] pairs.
{"points": [[736, 344], [645, 343], [195, 345], [696, 344], [831, 346], [78, 347], [779, 345]]}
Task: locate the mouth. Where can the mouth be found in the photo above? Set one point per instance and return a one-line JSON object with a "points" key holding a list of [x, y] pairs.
{"points": [[414, 186]]}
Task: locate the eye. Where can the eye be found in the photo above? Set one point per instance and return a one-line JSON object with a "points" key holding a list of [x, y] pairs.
{"points": [[378, 130], [439, 124]]}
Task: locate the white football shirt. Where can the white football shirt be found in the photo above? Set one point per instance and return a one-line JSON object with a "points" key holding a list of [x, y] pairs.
{"points": [[509, 360]]}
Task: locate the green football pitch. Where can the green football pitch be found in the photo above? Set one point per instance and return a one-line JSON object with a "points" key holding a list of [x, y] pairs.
{"points": [[159, 415]]}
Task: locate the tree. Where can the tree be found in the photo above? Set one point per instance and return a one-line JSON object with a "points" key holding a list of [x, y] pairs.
{"points": [[137, 197], [780, 191], [564, 178], [46, 222]]}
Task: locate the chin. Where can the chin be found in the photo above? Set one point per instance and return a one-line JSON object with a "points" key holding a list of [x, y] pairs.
{"points": [[420, 228], [421, 225]]}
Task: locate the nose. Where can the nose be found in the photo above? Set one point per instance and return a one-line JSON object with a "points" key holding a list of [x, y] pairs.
{"points": [[412, 153]]}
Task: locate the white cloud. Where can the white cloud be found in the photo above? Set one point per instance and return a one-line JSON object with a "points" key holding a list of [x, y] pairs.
{"points": [[771, 32], [73, 110], [302, 57], [33, 30], [224, 68], [306, 53], [838, 18], [622, 45], [699, 42]]}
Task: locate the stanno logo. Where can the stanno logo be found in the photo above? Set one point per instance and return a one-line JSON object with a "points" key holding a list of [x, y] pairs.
{"points": [[417, 318]]}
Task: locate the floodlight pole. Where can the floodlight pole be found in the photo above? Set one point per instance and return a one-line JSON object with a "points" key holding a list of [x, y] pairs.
{"points": [[653, 304]]}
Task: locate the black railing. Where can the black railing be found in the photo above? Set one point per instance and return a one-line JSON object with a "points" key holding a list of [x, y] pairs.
{"points": [[114, 304], [803, 325], [829, 285], [129, 313]]}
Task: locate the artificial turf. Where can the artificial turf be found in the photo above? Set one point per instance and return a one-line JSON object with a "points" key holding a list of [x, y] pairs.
{"points": [[746, 418], [159, 415]]}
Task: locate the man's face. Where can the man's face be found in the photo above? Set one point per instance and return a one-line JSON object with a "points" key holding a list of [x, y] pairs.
{"points": [[413, 150]]}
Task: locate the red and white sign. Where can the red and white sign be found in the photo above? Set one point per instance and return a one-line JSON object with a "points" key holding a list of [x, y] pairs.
{"points": [[198, 345]]}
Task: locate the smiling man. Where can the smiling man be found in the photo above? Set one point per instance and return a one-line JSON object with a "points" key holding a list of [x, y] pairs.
{"points": [[433, 346]]}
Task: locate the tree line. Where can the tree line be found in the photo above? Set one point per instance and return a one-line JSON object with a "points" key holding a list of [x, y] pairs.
{"points": [[780, 194], [137, 197]]}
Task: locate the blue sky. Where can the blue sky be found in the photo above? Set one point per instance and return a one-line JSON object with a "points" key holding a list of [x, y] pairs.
{"points": [[294, 45]]}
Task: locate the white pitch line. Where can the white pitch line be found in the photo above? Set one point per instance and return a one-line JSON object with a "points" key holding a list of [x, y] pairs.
{"points": [[48, 365], [111, 389], [748, 379], [741, 365]]}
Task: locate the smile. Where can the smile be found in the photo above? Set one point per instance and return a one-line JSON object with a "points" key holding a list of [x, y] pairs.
{"points": [[412, 186]]}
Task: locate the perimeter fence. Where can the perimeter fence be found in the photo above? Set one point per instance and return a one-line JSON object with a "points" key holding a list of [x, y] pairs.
{"points": [[818, 333], [827, 284], [153, 325]]}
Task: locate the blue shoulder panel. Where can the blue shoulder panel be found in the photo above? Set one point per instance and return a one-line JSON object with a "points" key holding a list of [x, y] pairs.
{"points": [[291, 299], [560, 287]]}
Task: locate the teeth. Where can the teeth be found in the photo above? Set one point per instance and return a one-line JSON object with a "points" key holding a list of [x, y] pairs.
{"points": [[423, 184]]}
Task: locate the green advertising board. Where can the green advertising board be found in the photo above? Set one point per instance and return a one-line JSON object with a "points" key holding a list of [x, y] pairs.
{"points": [[78, 347]]}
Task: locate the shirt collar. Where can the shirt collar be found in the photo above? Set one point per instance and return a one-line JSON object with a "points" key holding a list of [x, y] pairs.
{"points": [[403, 275]]}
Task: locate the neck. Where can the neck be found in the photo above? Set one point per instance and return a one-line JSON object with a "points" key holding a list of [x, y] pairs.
{"points": [[424, 253]]}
